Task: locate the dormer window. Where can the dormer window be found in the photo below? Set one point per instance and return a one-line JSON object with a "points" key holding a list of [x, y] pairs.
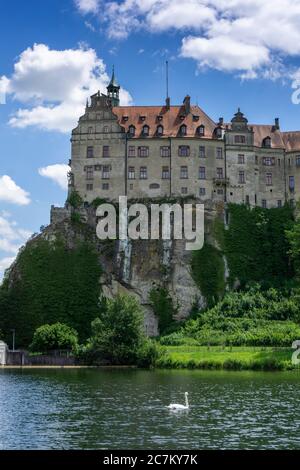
{"points": [[267, 142], [160, 130], [201, 130], [131, 131], [146, 130], [182, 129]]}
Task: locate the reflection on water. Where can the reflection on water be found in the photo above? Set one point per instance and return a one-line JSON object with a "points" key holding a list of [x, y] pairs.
{"points": [[127, 409]]}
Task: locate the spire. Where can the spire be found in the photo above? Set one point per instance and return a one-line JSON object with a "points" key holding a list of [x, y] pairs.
{"points": [[113, 89]]}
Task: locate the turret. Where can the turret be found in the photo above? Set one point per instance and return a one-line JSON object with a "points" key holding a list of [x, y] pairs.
{"points": [[113, 90]]}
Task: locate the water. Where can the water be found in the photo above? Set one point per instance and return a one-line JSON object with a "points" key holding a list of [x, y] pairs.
{"points": [[126, 409]]}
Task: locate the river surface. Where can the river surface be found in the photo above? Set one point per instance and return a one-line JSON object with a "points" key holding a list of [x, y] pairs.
{"points": [[126, 409]]}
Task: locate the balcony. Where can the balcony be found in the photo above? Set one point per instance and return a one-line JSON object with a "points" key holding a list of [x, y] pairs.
{"points": [[221, 181]]}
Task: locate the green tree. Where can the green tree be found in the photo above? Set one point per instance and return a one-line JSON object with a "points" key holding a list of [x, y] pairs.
{"points": [[117, 335], [52, 337]]}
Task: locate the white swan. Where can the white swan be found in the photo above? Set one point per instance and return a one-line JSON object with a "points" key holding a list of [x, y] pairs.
{"points": [[176, 406]]}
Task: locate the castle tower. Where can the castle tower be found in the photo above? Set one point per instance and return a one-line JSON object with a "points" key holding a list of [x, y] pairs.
{"points": [[113, 90]]}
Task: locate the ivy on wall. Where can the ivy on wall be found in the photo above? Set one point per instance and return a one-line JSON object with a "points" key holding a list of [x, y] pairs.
{"points": [[256, 246], [163, 307], [53, 284], [208, 273]]}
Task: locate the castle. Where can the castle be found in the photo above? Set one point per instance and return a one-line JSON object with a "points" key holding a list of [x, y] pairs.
{"points": [[175, 151]]}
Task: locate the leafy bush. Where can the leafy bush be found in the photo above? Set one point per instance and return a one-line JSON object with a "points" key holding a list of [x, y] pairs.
{"points": [[251, 318], [52, 337], [117, 334], [75, 200], [148, 354]]}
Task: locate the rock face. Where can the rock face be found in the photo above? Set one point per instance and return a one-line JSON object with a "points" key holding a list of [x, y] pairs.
{"points": [[133, 267]]}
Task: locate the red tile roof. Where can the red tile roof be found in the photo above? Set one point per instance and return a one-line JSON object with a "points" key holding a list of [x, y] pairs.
{"points": [[291, 140], [172, 119]]}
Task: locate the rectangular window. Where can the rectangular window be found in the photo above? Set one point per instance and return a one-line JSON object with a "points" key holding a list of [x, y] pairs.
{"points": [[105, 172], [165, 173], [143, 151], [247, 200], [242, 177], [165, 151], [239, 139], [89, 172], [90, 152], [279, 203], [131, 173], [202, 153], [202, 192], [184, 190], [269, 179], [105, 151], [264, 203], [202, 173], [292, 183], [241, 159], [256, 160], [105, 186], [298, 160], [183, 150], [183, 172], [220, 192], [131, 151], [269, 161], [89, 187], [219, 153], [220, 173], [90, 130], [143, 172]]}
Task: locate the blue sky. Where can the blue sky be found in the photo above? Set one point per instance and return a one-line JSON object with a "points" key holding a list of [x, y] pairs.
{"points": [[54, 53]]}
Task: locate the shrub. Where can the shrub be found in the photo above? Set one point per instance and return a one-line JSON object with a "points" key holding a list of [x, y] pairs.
{"points": [[148, 353], [52, 337], [117, 335]]}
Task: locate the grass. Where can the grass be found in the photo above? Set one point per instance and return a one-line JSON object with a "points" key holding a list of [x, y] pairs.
{"points": [[231, 358]]}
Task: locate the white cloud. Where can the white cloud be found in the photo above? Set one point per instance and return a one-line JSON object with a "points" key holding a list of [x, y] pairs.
{"points": [[11, 192], [12, 238], [57, 173], [248, 36], [223, 53], [55, 85], [87, 6], [4, 264]]}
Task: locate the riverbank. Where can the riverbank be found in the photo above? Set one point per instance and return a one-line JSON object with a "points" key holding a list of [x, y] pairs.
{"points": [[230, 358]]}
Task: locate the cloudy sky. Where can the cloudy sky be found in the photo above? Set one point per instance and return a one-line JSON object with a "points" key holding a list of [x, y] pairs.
{"points": [[55, 53]]}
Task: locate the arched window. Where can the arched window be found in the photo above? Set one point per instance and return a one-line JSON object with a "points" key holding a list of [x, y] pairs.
{"points": [[182, 129], [131, 130], [201, 130], [267, 142], [146, 130], [160, 130]]}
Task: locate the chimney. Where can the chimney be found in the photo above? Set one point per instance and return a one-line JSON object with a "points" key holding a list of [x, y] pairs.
{"points": [[168, 102], [221, 121], [187, 104], [277, 125]]}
